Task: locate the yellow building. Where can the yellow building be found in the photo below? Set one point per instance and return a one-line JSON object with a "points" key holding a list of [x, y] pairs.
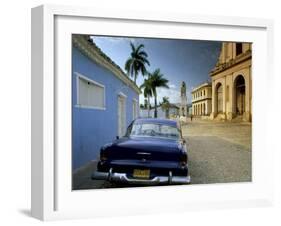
{"points": [[202, 99], [232, 82]]}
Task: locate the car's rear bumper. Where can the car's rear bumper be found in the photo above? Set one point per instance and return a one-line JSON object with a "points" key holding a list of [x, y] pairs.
{"points": [[122, 177]]}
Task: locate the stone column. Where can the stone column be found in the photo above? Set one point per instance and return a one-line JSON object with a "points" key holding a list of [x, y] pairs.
{"points": [[224, 98], [230, 113], [247, 116], [192, 108], [214, 101]]}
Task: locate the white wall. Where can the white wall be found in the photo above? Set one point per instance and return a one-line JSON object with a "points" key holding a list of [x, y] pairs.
{"points": [[160, 113], [15, 112]]}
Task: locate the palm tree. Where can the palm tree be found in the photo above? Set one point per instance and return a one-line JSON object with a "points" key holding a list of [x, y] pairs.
{"points": [[157, 81], [147, 91], [136, 63], [165, 106]]}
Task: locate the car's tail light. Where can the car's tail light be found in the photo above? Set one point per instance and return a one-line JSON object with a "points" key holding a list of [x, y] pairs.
{"points": [[103, 155], [183, 159]]}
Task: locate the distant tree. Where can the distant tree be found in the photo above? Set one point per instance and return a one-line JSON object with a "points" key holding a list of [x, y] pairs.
{"points": [[141, 106], [147, 92], [145, 103], [165, 105], [157, 80], [137, 61]]}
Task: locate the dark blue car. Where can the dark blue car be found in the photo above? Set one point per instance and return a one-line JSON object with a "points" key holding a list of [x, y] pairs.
{"points": [[152, 151]]}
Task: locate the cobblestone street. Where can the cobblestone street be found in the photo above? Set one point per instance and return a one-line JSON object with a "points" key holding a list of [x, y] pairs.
{"points": [[218, 151]]}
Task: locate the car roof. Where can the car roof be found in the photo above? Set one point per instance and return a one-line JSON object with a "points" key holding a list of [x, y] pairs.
{"points": [[157, 121]]}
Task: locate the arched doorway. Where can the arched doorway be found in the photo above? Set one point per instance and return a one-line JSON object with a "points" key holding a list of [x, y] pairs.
{"points": [[219, 96], [240, 95]]}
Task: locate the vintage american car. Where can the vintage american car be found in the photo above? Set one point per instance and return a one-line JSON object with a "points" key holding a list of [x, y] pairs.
{"points": [[152, 152]]}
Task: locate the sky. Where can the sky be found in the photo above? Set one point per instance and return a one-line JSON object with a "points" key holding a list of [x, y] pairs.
{"points": [[178, 60]]}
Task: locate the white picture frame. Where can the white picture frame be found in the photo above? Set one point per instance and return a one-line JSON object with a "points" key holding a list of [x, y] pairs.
{"points": [[52, 197]]}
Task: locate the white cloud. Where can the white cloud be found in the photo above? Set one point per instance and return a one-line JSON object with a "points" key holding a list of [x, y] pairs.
{"points": [[172, 93], [172, 86]]}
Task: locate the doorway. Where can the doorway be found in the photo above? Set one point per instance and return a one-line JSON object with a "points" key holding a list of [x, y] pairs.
{"points": [[240, 95], [121, 115], [219, 98]]}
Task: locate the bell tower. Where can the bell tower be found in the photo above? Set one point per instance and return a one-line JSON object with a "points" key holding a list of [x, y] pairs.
{"points": [[183, 104]]}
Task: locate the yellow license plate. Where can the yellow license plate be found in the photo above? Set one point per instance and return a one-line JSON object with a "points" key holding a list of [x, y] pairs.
{"points": [[141, 173]]}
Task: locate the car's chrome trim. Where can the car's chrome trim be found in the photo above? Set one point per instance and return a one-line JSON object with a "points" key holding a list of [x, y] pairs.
{"points": [[170, 177], [143, 153], [122, 177], [109, 175]]}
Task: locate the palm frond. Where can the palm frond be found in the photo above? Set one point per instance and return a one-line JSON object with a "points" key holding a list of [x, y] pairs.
{"points": [[139, 47], [132, 47], [143, 53], [137, 62]]}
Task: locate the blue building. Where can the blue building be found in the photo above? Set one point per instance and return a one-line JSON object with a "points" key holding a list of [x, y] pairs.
{"points": [[104, 100]]}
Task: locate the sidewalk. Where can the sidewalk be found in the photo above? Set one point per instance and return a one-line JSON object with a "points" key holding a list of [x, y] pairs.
{"points": [[81, 178]]}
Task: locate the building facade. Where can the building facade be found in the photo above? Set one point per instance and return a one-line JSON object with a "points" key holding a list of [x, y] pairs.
{"points": [[202, 100], [104, 100], [232, 82]]}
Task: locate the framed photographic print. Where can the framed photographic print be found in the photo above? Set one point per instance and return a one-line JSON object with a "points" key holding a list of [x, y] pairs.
{"points": [[143, 113]]}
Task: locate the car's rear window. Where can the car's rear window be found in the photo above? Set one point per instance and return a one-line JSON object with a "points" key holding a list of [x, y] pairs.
{"points": [[155, 130]]}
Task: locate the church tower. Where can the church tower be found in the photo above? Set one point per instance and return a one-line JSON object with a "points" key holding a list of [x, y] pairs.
{"points": [[183, 104]]}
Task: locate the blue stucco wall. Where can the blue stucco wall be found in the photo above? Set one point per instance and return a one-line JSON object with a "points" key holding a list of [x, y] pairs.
{"points": [[92, 128]]}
